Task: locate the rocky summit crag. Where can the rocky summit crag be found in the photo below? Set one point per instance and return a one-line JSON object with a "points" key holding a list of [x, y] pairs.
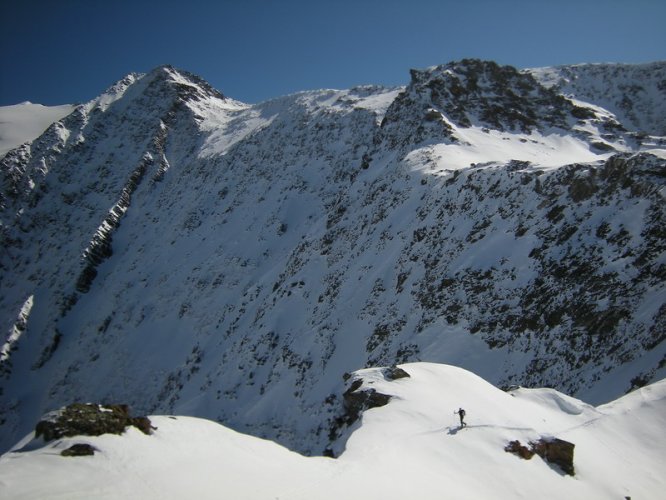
{"points": [[174, 249]]}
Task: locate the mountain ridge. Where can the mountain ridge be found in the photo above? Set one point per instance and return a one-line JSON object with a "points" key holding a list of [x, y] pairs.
{"points": [[186, 253], [413, 445], [637, 96]]}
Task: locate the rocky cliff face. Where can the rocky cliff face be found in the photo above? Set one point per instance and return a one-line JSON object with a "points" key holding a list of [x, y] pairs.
{"points": [[635, 93], [173, 249]]}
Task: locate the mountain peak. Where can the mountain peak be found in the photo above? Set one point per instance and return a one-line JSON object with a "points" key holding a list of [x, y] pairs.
{"points": [[473, 93], [484, 93], [161, 83], [190, 86], [468, 68]]}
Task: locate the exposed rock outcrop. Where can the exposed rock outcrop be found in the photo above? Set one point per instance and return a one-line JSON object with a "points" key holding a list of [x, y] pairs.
{"points": [[80, 419], [79, 450], [357, 399], [395, 372], [552, 450]]}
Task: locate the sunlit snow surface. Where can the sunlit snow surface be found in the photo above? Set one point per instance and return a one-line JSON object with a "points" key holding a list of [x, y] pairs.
{"points": [[411, 448], [492, 146], [26, 121], [229, 122]]}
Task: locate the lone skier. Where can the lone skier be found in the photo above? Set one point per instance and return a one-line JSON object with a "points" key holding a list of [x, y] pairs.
{"points": [[461, 414]]}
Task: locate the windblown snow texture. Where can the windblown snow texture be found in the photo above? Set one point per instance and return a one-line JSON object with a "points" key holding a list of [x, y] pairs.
{"points": [[169, 248]]}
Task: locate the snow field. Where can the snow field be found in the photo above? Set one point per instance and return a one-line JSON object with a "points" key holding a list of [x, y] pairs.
{"points": [[25, 122], [411, 448]]}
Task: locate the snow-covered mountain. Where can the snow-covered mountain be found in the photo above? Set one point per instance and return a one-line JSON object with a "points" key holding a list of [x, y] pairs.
{"points": [[633, 92], [170, 248], [413, 447]]}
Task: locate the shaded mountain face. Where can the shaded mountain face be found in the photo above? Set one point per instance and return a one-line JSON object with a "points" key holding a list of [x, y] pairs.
{"points": [[635, 93], [167, 247]]}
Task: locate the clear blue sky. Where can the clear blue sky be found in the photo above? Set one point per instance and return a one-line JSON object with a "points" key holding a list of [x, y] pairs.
{"points": [[65, 51]]}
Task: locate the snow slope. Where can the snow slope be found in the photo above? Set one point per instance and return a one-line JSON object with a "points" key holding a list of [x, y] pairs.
{"points": [[26, 121], [410, 448]]}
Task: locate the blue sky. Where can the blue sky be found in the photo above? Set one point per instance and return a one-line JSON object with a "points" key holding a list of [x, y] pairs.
{"points": [[66, 51]]}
